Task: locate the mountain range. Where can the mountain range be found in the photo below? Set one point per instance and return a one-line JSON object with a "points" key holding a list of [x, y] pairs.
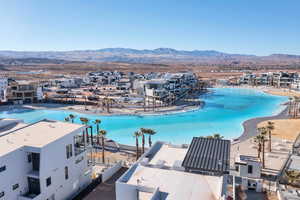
{"points": [[160, 55]]}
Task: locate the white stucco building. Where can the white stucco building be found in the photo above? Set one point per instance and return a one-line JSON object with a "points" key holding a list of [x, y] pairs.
{"points": [[42, 161], [249, 169], [159, 174], [3, 89]]}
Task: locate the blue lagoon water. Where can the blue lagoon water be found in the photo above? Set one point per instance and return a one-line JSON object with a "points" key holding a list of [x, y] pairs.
{"points": [[224, 112]]}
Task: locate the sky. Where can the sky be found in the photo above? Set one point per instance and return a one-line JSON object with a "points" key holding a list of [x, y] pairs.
{"points": [[259, 27]]}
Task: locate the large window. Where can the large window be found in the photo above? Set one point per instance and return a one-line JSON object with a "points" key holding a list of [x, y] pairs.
{"points": [[250, 169], [29, 158], [3, 168], [237, 168], [15, 186], [69, 151], [66, 173], [48, 181]]}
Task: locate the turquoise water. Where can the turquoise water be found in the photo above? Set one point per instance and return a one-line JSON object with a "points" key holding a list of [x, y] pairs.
{"points": [[224, 112]]}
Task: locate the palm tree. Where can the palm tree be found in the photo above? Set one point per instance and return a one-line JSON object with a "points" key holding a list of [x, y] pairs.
{"points": [[85, 121], [103, 133], [72, 117], [143, 131], [258, 140], [262, 132], [290, 105], [292, 176], [67, 119], [137, 134], [97, 122], [215, 136], [108, 102], [149, 132], [270, 128]]}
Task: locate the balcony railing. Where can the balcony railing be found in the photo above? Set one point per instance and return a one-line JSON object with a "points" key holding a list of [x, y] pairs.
{"points": [[28, 196]]}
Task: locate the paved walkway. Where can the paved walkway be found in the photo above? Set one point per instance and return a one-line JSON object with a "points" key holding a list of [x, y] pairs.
{"points": [[103, 191]]}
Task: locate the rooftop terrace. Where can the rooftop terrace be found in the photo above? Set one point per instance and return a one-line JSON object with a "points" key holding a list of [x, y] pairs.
{"points": [[35, 135]]}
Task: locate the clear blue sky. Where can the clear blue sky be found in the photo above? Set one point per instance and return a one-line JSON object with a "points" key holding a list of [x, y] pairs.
{"points": [[258, 27]]}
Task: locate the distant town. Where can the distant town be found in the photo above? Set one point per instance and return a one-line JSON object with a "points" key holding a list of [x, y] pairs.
{"points": [[264, 159]]}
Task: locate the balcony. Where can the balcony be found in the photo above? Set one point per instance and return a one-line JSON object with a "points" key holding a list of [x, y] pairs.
{"points": [[33, 174], [28, 196], [79, 144]]}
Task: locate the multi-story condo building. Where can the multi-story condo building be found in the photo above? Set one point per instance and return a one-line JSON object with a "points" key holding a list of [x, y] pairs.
{"points": [[3, 89], [276, 79], [178, 172], [46, 160], [24, 92]]}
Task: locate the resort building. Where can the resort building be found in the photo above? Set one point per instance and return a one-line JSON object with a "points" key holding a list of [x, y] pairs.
{"points": [[20, 92], [275, 79], [43, 160], [178, 172], [3, 89], [249, 169]]}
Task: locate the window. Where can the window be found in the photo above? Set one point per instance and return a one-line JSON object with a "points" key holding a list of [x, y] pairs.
{"points": [[66, 173], [29, 158], [3, 168], [237, 168], [1, 194], [48, 181], [79, 160], [15, 186], [69, 151], [250, 169]]}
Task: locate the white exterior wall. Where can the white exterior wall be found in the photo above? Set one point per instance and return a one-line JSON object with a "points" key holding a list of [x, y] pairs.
{"points": [[3, 89], [17, 167], [39, 93], [53, 160], [126, 191], [52, 164], [111, 171], [256, 170]]}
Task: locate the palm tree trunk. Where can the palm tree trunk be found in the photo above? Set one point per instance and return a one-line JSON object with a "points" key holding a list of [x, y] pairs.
{"points": [[263, 153], [98, 142], [103, 157], [150, 141], [82, 139], [259, 150], [87, 135], [290, 107], [270, 142], [137, 148], [92, 139], [143, 144]]}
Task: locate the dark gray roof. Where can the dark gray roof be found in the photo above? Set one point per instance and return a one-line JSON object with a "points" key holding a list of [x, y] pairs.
{"points": [[206, 154]]}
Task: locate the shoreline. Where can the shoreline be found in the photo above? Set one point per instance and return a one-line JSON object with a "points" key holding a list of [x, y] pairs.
{"points": [[249, 126], [80, 110]]}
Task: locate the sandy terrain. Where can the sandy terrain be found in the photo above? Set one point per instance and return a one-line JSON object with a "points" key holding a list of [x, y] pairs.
{"points": [[283, 92], [285, 128]]}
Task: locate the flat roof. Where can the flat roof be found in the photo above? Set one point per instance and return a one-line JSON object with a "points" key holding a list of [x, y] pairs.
{"points": [[295, 163], [178, 185], [169, 155], [37, 135], [208, 154]]}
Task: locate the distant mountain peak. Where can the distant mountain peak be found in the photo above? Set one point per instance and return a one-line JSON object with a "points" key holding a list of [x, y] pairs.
{"points": [[158, 55]]}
